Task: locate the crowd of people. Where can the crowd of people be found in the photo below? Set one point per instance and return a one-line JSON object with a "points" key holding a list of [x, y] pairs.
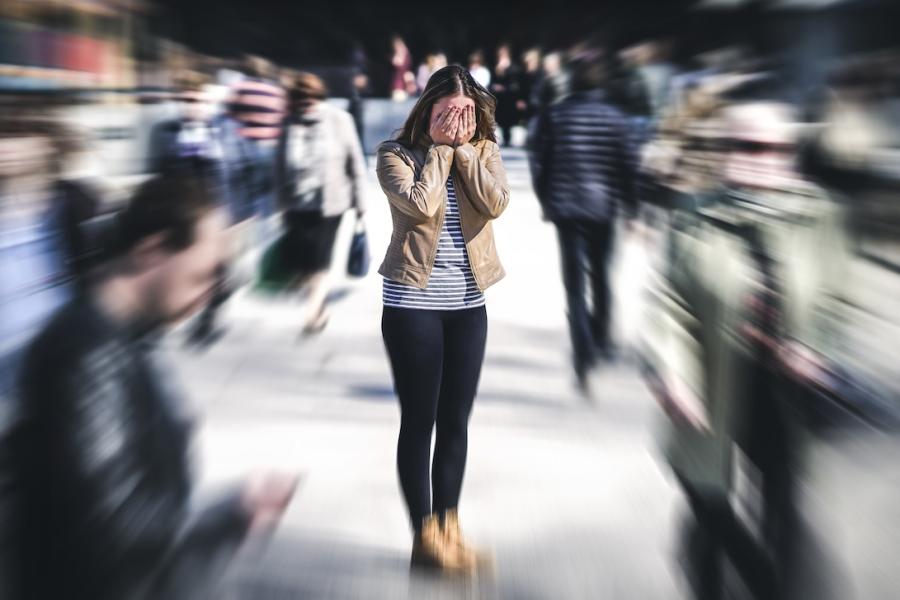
{"points": [[754, 200], [98, 493], [518, 85], [738, 188]]}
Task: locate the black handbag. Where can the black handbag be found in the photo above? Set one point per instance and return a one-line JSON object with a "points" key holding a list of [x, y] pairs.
{"points": [[359, 258]]}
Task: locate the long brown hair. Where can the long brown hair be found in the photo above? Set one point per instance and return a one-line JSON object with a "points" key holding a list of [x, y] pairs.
{"points": [[449, 81]]}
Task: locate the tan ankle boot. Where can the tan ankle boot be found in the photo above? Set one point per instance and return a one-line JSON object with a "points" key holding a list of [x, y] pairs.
{"points": [[431, 551], [454, 539]]}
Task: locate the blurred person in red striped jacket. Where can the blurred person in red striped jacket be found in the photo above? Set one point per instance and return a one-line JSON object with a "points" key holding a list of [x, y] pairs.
{"points": [[248, 138]]}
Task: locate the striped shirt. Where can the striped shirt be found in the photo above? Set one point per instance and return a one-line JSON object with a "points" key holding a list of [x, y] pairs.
{"points": [[451, 285], [260, 108]]}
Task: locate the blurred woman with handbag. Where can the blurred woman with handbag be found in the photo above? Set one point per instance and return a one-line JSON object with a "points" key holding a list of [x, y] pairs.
{"points": [[321, 175]]}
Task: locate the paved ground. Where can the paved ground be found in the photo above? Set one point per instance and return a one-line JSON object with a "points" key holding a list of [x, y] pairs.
{"points": [[568, 494]]}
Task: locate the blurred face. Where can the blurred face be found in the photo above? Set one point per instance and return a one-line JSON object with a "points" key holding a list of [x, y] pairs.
{"points": [[532, 60], [763, 148], [181, 283], [552, 64], [304, 105], [460, 101]]}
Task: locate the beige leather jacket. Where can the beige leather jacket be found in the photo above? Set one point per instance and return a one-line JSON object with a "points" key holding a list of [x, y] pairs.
{"points": [[414, 181]]}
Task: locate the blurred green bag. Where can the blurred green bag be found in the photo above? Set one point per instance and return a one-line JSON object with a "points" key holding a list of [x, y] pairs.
{"points": [[273, 276]]}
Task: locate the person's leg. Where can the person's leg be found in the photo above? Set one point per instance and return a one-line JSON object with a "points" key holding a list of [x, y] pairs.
{"points": [[722, 534], [206, 330], [507, 134], [703, 545], [415, 346], [776, 462], [572, 250], [600, 250], [316, 310], [465, 334]]}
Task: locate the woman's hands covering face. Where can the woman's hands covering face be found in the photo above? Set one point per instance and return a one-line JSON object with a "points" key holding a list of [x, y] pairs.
{"points": [[453, 126], [444, 126], [466, 127]]}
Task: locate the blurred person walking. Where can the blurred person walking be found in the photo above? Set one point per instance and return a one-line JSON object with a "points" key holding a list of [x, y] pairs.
{"points": [[247, 138], [691, 364], [102, 489], [553, 83], [201, 144], [746, 326], [188, 142], [360, 88], [433, 63], [478, 70], [403, 82], [321, 175], [582, 175], [529, 82], [445, 184], [505, 87], [258, 105]]}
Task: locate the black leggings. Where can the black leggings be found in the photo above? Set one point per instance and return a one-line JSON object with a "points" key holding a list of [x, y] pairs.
{"points": [[436, 358]]}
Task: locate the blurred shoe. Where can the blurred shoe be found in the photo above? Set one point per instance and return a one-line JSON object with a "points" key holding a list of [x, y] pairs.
{"points": [[609, 354], [606, 352], [430, 551], [455, 542], [583, 382]]}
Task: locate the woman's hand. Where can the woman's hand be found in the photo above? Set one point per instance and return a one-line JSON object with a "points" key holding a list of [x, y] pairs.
{"points": [[444, 127], [466, 126]]}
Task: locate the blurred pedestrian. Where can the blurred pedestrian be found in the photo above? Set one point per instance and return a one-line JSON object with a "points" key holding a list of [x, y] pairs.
{"points": [[529, 81], [188, 142], [478, 70], [433, 63], [650, 76], [99, 453], [321, 176], [258, 103], [796, 236], [192, 143], [505, 87], [553, 84], [403, 82], [582, 176], [747, 325], [445, 183], [248, 134]]}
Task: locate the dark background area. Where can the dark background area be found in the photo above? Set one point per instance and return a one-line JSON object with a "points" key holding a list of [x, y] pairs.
{"points": [[325, 34]]}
